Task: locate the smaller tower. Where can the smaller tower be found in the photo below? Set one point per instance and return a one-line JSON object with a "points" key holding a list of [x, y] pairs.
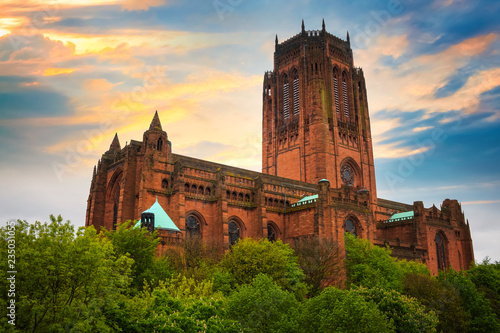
{"points": [[155, 139]]}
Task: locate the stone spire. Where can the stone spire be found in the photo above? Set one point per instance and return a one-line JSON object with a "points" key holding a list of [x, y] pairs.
{"points": [[348, 39], [155, 123], [115, 145], [303, 27], [323, 26]]}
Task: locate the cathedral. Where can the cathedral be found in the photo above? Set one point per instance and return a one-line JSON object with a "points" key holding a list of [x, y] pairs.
{"points": [[317, 179]]}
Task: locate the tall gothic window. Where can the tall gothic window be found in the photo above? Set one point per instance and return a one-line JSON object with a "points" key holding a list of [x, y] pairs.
{"points": [[286, 98], [160, 144], [234, 232], [296, 98], [336, 90], [192, 226], [116, 202], [440, 251], [344, 94]]}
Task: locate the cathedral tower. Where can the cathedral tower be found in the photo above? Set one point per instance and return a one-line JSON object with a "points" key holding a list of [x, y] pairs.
{"points": [[315, 114]]}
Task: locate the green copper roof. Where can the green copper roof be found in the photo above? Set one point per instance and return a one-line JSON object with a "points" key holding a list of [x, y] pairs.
{"points": [[162, 220], [305, 200], [401, 216]]}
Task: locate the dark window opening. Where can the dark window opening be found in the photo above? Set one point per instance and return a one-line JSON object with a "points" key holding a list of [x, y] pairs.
{"points": [[271, 233], [164, 183], [192, 226], [148, 221], [160, 144], [234, 232], [440, 252]]}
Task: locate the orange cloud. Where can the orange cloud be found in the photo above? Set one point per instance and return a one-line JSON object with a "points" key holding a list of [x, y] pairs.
{"points": [[57, 71], [141, 4], [97, 85]]}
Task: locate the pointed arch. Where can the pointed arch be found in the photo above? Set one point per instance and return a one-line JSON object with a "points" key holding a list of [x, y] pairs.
{"points": [[113, 197], [351, 225], [194, 223], [273, 231], [236, 229]]}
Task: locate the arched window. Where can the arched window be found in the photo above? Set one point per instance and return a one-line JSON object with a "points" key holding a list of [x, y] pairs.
{"points": [[234, 197], [159, 145], [440, 251], [164, 183], [286, 98], [344, 94], [186, 188], [296, 93], [193, 189], [116, 202], [350, 227], [234, 232], [240, 197], [208, 191], [247, 198], [201, 190], [336, 89], [192, 226], [272, 232]]}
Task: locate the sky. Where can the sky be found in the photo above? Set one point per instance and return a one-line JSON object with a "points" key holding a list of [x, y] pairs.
{"points": [[74, 72]]}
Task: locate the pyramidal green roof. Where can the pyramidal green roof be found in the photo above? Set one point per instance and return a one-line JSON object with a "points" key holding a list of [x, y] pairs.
{"points": [[162, 220], [401, 216]]}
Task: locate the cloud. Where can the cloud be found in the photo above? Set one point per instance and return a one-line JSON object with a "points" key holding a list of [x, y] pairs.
{"points": [[481, 202], [142, 4], [57, 71]]}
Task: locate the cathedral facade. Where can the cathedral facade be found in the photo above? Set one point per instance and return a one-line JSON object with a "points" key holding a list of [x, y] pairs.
{"points": [[318, 176]]}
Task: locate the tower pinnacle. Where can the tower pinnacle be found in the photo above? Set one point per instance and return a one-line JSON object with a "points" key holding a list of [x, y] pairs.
{"points": [[155, 123], [323, 25], [303, 26], [115, 145]]}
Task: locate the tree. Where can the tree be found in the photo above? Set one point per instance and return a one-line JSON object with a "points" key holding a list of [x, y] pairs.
{"points": [[264, 307], [486, 278], [443, 299], [140, 245], [482, 318], [248, 258], [407, 313], [371, 266], [320, 261], [336, 310], [63, 282]]}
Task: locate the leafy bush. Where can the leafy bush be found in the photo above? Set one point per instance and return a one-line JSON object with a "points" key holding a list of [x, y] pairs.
{"points": [[249, 258], [336, 310], [407, 313], [264, 307]]}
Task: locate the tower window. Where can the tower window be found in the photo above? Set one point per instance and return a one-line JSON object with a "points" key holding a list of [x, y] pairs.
{"points": [[286, 98], [336, 91], [272, 234], [344, 93], [296, 98], [440, 251], [159, 144], [164, 183]]}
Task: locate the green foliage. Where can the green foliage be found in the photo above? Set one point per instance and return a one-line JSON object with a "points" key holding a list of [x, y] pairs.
{"points": [[486, 278], [372, 266], [160, 312], [63, 282], [482, 318], [336, 310], [443, 299], [140, 245], [249, 258], [264, 307], [407, 313]]}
